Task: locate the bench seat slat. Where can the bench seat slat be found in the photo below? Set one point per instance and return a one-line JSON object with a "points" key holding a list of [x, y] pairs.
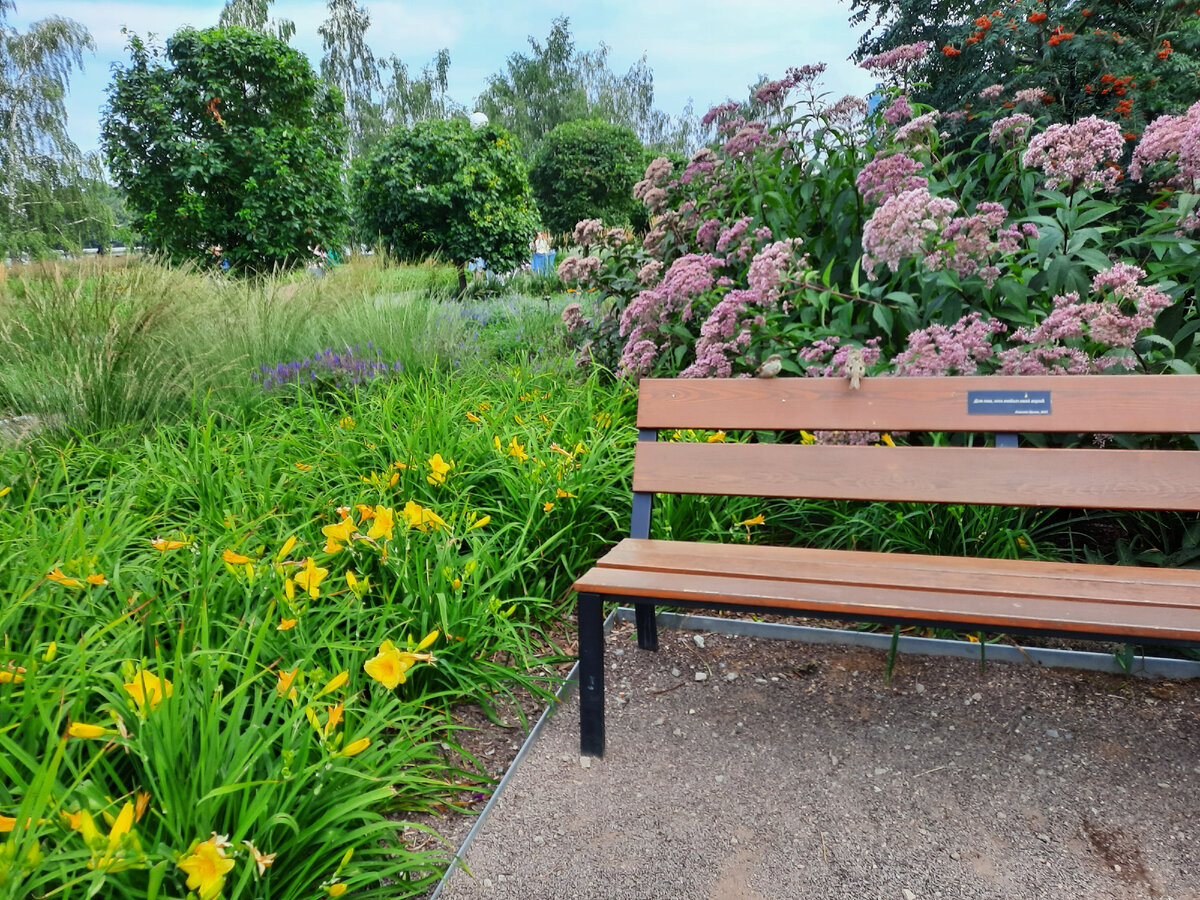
{"points": [[1000, 577], [1079, 403], [1074, 478], [979, 610]]}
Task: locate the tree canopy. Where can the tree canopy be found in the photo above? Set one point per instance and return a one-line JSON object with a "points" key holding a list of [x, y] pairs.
{"points": [[227, 140], [445, 188], [587, 170]]}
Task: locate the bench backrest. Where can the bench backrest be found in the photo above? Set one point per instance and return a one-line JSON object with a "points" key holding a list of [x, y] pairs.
{"points": [[1107, 478]]}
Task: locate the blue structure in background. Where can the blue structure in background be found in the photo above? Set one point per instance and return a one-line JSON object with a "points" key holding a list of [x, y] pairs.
{"points": [[543, 263]]}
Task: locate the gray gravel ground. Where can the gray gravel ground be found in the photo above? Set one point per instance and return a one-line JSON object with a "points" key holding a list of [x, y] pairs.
{"points": [[793, 771]]}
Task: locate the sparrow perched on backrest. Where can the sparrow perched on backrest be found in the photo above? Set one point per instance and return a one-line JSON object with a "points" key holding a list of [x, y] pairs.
{"points": [[770, 367], [856, 368]]}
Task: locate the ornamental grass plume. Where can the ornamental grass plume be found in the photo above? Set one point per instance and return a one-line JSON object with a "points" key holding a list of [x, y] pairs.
{"points": [[1084, 155]]}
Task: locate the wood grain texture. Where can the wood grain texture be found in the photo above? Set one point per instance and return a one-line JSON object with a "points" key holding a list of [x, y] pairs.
{"points": [[967, 575], [990, 611], [1168, 404], [1074, 478]]}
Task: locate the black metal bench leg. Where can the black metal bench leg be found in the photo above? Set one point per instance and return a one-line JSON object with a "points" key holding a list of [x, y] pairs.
{"points": [[647, 626], [591, 675]]}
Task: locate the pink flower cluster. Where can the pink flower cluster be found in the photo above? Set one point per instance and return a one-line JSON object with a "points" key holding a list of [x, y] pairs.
{"points": [[650, 189], [1034, 96], [748, 138], [719, 113], [969, 242], [992, 92], [649, 314], [1053, 346], [897, 58], [588, 231], [902, 227], [957, 350], [898, 111], [1011, 130], [572, 317], [1171, 137], [704, 163], [918, 128], [648, 274], [579, 269], [884, 177], [1082, 155], [847, 112], [726, 332], [826, 358]]}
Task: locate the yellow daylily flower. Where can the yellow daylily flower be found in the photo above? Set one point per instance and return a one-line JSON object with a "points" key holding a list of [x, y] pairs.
{"points": [[479, 523], [147, 690], [4, 490], [285, 549], [310, 577], [382, 525], [262, 861], [206, 867], [51, 652], [517, 450], [471, 417], [12, 674], [334, 717], [417, 516], [336, 536], [235, 559], [334, 683], [390, 667], [346, 422], [757, 520], [357, 586], [7, 824], [84, 731], [547, 506], [806, 438], [162, 545], [438, 469], [286, 624], [887, 439], [303, 467], [562, 495], [353, 749], [365, 513], [96, 580], [284, 687], [58, 577], [717, 437]]}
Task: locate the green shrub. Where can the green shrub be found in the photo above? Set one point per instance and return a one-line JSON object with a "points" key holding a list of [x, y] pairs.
{"points": [[586, 170]]}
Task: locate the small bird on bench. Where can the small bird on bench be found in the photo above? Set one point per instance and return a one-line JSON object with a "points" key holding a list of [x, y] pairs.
{"points": [[856, 368], [770, 367]]}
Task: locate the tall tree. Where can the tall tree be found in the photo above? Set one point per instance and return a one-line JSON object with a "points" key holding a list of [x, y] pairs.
{"points": [[44, 197], [555, 84], [407, 99], [350, 66], [233, 142], [254, 14]]}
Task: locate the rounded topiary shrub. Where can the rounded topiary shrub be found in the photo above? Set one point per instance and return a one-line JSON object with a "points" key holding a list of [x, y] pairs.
{"points": [[444, 188], [586, 170]]}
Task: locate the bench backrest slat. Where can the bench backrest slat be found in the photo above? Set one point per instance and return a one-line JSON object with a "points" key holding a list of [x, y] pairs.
{"points": [[1075, 478], [1145, 404]]}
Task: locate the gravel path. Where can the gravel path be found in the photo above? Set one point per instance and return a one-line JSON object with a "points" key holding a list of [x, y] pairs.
{"points": [[793, 771]]}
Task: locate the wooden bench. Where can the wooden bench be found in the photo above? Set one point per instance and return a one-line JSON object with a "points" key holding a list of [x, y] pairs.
{"points": [[1160, 606]]}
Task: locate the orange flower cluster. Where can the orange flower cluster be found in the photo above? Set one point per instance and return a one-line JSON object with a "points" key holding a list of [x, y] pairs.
{"points": [[1037, 17], [951, 51], [1059, 36], [1165, 51]]}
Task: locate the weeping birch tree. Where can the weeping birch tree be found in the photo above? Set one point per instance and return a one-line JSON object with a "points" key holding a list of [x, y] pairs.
{"points": [[255, 15], [350, 66], [48, 195]]}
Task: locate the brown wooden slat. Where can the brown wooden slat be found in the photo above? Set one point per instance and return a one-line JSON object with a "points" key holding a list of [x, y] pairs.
{"points": [[1168, 404], [1117, 584], [1000, 612], [1102, 479]]}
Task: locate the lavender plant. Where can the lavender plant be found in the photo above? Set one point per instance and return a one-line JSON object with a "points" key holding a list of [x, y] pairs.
{"points": [[328, 371]]}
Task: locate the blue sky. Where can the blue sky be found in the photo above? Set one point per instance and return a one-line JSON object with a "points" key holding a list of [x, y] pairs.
{"points": [[705, 50]]}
